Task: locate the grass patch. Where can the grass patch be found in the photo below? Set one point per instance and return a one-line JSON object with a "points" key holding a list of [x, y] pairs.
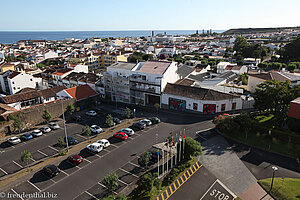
{"points": [[264, 118], [283, 188]]}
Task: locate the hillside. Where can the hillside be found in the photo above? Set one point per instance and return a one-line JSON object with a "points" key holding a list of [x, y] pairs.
{"points": [[256, 30]]}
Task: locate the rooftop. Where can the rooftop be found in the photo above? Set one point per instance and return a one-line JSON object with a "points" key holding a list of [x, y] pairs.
{"points": [[154, 67], [123, 65], [81, 92]]}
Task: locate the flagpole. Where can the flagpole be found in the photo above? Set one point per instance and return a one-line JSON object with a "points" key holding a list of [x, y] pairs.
{"points": [[176, 141], [183, 143], [158, 162], [180, 147], [163, 171], [168, 159]]}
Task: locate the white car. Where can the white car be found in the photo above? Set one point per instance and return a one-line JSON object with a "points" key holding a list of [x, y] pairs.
{"points": [[14, 140], [45, 129], [36, 133], [104, 142], [91, 113], [95, 147], [128, 131], [53, 125], [96, 129], [146, 121]]}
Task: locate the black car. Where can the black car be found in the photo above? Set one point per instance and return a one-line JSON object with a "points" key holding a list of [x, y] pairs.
{"points": [[139, 125], [117, 120], [71, 140], [51, 170], [154, 120], [154, 156], [76, 118]]}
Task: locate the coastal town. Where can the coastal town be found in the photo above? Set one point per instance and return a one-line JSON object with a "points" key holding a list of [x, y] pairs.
{"points": [[212, 115]]}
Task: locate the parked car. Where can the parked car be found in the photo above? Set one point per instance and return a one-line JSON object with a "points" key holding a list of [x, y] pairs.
{"points": [[53, 125], [51, 170], [96, 129], [154, 155], [45, 129], [75, 159], [14, 140], [154, 120], [128, 131], [146, 121], [117, 120], [139, 125], [95, 147], [36, 133], [104, 142], [76, 118], [71, 140], [91, 113], [120, 135], [26, 136]]}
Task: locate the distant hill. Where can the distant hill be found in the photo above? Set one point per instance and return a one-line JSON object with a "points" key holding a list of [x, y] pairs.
{"points": [[257, 30]]}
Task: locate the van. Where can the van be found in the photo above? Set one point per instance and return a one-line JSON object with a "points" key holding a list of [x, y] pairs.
{"points": [[95, 147]]}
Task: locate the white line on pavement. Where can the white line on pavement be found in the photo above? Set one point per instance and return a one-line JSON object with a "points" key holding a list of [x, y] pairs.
{"points": [[87, 160], [82, 136], [32, 159], [17, 164], [91, 194], [134, 164], [122, 182], [99, 183], [129, 172], [53, 148], [3, 171], [97, 155], [34, 186], [17, 194], [42, 153], [208, 189], [114, 145], [106, 150], [65, 173]]}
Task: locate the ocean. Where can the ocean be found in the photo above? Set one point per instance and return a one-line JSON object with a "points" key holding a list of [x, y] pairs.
{"points": [[9, 37]]}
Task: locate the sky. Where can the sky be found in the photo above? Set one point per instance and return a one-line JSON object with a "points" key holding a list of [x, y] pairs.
{"points": [[106, 15]]}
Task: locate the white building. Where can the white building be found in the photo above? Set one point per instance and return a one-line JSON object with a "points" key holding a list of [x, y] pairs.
{"points": [[12, 81], [222, 65], [182, 97]]}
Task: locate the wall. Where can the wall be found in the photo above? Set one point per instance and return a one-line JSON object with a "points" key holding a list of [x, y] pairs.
{"points": [[253, 82], [22, 81], [170, 75]]}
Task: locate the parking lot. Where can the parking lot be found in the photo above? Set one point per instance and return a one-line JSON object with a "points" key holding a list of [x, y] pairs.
{"points": [[127, 173]]}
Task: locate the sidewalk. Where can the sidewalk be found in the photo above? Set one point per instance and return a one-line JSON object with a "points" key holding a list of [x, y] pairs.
{"points": [[255, 192]]}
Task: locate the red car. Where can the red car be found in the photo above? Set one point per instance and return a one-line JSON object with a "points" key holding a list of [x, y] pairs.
{"points": [[75, 159], [121, 135]]}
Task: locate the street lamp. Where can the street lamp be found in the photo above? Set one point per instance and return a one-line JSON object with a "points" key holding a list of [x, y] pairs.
{"points": [[274, 170], [63, 115]]}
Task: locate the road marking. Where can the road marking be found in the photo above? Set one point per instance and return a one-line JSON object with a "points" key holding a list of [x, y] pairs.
{"points": [[106, 150], [162, 196], [123, 182], [42, 153], [97, 155], [197, 164], [129, 172], [65, 173], [53, 148], [87, 160], [167, 193], [17, 194], [181, 179], [91, 194], [185, 176], [134, 164], [178, 183], [226, 188], [188, 173], [34, 186], [175, 185], [3, 171], [32, 159], [208, 189], [114, 145], [17, 164], [78, 167], [99, 183], [82, 136]]}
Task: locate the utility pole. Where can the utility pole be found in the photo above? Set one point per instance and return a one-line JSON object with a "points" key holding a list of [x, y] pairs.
{"points": [[63, 114]]}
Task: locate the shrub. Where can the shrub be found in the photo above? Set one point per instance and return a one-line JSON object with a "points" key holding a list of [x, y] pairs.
{"points": [[62, 153]]}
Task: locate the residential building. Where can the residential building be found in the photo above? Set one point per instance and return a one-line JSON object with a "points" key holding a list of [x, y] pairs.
{"points": [[6, 67], [12, 82], [294, 109], [79, 92]]}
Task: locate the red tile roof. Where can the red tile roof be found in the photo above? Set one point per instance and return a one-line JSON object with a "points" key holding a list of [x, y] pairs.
{"points": [[294, 110], [62, 72], [81, 92]]}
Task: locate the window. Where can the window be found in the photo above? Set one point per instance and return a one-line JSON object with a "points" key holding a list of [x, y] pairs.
{"points": [[31, 79], [195, 106], [144, 78], [223, 106], [233, 106], [14, 88], [13, 82]]}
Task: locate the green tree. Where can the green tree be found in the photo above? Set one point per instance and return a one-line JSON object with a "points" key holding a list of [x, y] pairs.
{"points": [[61, 142], [110, 181], [109, 121], [26, 156], [87, 130], [70, 109], [192, 148], [291, 52], [149, 180], [17, 124], [291, 67], [144, 159], [46, 115], [127, 112]]}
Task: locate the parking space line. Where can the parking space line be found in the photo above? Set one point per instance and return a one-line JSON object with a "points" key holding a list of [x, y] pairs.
{"points": [[97, 155], [123, 182], [106, 150], [13, 147], [82, 136], [99, 183], [91, 194], [135, 165], [3, 171], [87, 160], [114, 145], [16, 193], [32, 159], [78, 167], [65, 173], [53, 148], [129, 173], [34, 186], [42, 153], [17, 164]]}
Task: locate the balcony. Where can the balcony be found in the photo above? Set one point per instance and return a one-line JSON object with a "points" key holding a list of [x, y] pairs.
{"points": [[140, 80], [142, 89]]}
